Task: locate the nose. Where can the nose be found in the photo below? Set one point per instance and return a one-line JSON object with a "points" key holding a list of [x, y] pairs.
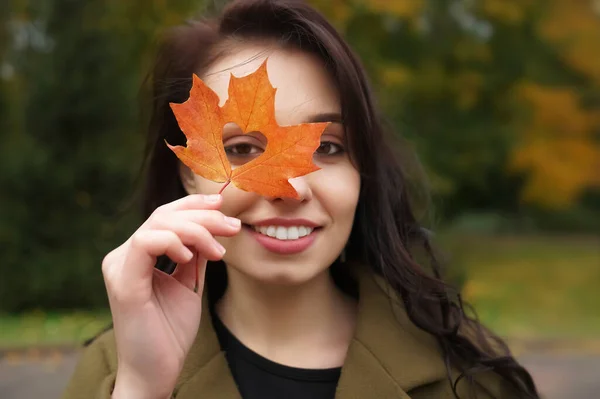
{"points": [[301, 186]]}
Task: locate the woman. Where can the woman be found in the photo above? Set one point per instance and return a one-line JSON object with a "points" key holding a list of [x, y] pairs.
{"points": [[314, 297]]}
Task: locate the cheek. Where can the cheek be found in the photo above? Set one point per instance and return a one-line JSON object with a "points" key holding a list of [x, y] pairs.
{"points": [[235, 201], [338, 187], [205, 186]]}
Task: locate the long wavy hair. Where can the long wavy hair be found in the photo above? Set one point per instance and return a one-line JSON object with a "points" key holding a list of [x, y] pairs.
{"points": [[386, 234]]}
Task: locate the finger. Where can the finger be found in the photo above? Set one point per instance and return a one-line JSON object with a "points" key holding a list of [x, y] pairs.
{"points": [[201, 267], [213, 221], [147, 244], [197, 237], [144, 247], [187, 273], [112, 257]]}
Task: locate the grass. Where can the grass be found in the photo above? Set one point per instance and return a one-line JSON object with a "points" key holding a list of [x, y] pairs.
{"points": [[521, 287], [533, 287], [50, 329]]}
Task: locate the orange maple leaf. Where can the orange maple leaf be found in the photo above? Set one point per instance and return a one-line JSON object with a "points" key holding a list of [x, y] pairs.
{"points": [[251, 106]]}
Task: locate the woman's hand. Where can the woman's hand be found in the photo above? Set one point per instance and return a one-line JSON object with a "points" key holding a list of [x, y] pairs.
{"points": [[156, 315]]}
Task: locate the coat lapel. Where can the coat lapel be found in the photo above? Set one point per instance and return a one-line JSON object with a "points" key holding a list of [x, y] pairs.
{"points": [[364, 377], [213, 380], [388, 356], [206, 372]]}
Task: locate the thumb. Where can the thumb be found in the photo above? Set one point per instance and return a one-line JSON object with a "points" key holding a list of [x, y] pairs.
{"points": [[192, 273]]}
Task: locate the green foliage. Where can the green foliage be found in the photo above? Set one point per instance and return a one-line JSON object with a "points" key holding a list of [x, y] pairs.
{"points": [[521, 287], [67, 159], [71, 146], [40, 329], [447, 74], [532, 286]]}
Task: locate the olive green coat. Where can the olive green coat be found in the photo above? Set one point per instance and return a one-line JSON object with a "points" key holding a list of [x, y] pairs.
{"points": [[388, 358]]}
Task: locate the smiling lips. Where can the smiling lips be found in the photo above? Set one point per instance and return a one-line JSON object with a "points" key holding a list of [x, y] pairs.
{"points": [[285, 236], [284, 233]]}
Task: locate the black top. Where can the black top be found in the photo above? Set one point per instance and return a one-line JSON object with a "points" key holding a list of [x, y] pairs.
{"points": [[260, 378]]}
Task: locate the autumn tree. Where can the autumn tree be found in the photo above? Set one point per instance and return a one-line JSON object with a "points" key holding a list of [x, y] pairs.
{"points": [[499, 96], [500, 99]]}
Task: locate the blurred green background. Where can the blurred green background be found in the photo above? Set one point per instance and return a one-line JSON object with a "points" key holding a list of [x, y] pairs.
{"points": [[499, 98]]}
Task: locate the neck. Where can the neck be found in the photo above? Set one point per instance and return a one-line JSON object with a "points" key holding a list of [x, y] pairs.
{"points": [[307, 325]]}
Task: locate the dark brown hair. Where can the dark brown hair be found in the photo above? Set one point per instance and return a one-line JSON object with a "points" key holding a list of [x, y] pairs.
{"points": [[385, 232]]}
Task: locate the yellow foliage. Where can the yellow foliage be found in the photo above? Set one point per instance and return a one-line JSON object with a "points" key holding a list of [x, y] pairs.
{"points": [[394, 74], [509, 11], [556, 147], [574, 27], [557, 110], [559, 168], [399, 8], [337, 11]]}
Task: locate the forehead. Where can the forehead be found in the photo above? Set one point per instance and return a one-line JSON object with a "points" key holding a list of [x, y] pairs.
{"points": [[304, 87]]}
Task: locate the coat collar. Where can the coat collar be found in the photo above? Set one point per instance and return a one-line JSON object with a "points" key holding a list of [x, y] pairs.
{"points": [[388, 356]]}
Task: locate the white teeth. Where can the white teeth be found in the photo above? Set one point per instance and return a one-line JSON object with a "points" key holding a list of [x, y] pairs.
{"points": [[281, 233], [292, 233], [284, 233]]}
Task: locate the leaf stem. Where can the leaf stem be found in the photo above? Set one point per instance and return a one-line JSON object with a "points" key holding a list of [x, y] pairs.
{"points": [[223, 188]]}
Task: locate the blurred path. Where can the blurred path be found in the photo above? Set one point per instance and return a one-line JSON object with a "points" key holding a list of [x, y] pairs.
{"points": [[574, 376], [35, 375], [559, 376]]}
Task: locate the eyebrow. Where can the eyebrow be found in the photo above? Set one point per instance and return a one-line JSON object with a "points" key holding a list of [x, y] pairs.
{"points": [[326, 117]]}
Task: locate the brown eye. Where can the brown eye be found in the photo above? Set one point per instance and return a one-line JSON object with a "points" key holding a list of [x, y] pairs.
{"points": [[329, 148], [242, 149], [242, 152]]}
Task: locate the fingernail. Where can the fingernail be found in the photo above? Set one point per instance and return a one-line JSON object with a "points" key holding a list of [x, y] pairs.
{"points": [[212, 198], [220, 248], [233, 222]]}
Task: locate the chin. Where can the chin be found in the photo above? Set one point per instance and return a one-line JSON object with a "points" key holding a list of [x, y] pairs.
{"points": [[282, 273]]}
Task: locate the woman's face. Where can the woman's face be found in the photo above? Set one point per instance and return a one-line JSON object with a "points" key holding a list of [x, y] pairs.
{"points": [[298, 238]]}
